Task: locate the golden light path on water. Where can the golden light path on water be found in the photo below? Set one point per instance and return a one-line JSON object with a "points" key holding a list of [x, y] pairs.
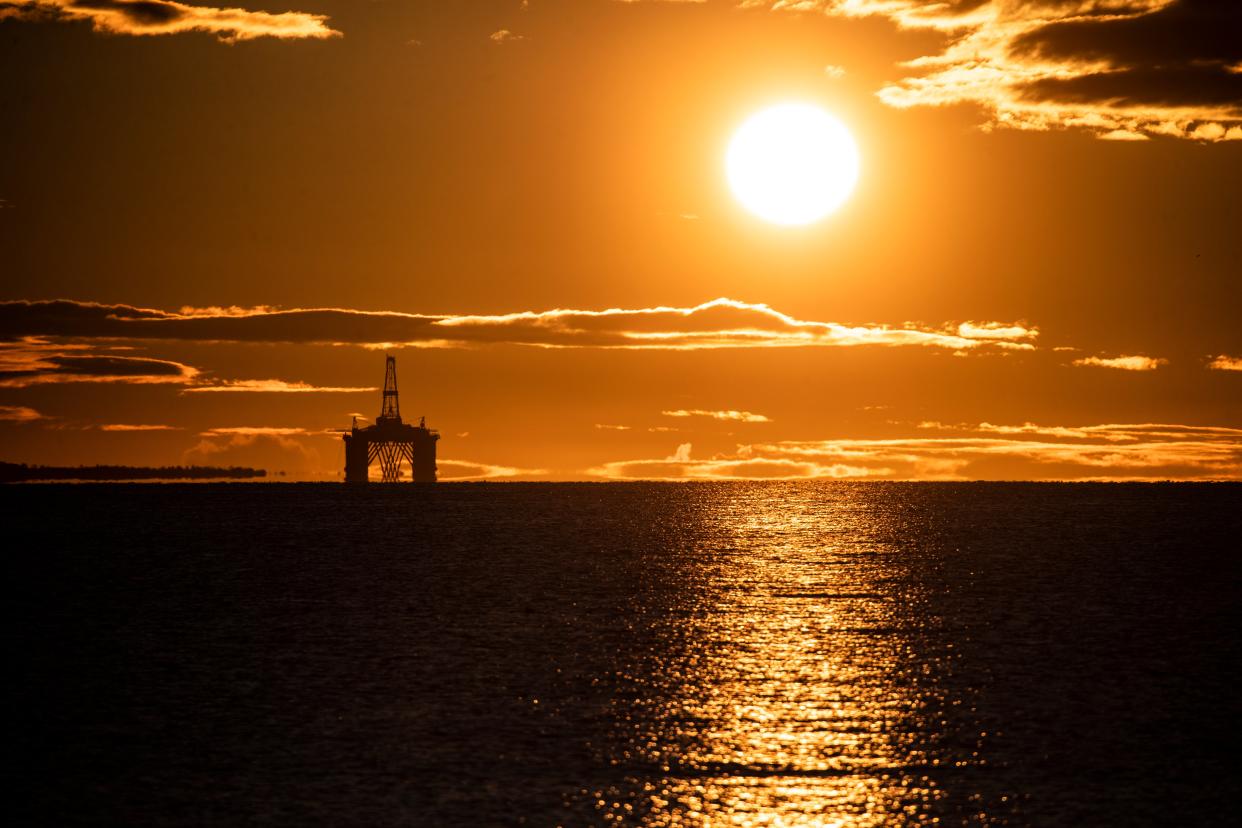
{"points": [[801, 695]]}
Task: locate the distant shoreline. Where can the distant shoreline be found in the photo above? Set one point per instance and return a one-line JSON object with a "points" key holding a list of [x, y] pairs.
{"points": [[22, 473]]}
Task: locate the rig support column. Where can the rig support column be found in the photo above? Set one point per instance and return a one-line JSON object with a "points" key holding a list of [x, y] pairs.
{"points": [[356, 460]]}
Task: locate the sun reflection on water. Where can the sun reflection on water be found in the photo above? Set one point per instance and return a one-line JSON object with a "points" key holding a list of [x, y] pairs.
{"points": [[795, 689]]}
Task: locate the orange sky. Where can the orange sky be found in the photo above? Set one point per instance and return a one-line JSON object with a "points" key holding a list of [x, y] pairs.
{"points": [[1037, 275]]}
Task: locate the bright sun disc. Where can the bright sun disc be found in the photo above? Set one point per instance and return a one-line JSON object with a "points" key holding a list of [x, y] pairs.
{"points": [[792, 163]]}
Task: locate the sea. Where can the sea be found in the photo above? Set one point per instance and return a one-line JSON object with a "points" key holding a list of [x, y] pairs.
{"points": [[637, 654]]}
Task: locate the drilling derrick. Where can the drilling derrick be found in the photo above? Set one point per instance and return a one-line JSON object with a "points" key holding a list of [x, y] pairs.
{"points": [[391, 441], [391, 409]]}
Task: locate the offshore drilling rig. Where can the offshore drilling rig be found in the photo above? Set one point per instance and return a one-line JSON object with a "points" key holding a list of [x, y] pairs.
{"points": [[391, 441]]}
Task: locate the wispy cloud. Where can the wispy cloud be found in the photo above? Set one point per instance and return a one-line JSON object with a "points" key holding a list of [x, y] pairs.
{"points": [[1124, 69], [269, 431], [721, 323], [736, 416], [274, 386], [610, 427], [998, 332], [1119, 451], [1123, 363], [470, 470], [1225, 363], [38, 361], [277, 450], [137, 427], [32, 361], [744, 465], [165, 17], [19, 414], [1112, 432], [505, 36]]}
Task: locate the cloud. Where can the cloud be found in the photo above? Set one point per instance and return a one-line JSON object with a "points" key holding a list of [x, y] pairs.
{"points": [[1225, 363], [263, 431], [1123, 69], [1112, 432], [721, 323], [505, 36], [608, 427], [997, 331], [737, 416], [19, 414], [164, 17], [37, 361], [1123, 135], [743, 466], [32, 361], [272, 450], [274, 386], [727, 469], [470, 470], [1028, 452], [1124, 363], [133, 427]]}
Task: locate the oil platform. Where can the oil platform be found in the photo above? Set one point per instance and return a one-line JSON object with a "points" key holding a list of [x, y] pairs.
{"points": [[391, 441]]}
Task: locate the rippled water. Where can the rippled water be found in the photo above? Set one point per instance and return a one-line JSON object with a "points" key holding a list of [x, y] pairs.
{"points": [[637, 654]]}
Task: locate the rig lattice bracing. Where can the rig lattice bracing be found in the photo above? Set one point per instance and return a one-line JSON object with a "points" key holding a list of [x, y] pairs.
{"points": [[391, 442]]}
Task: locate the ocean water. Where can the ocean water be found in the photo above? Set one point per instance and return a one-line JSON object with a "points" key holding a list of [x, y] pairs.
{"points": [[778, 654]]}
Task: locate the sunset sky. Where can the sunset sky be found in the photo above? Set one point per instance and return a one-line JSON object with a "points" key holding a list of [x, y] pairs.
{"points": [[214, 223]]}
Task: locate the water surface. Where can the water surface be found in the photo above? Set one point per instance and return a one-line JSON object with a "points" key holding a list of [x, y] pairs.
{"points": [[634, 654]]}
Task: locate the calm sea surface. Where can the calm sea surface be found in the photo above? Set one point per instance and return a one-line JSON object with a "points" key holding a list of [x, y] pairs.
{"points": [[623, 654]]}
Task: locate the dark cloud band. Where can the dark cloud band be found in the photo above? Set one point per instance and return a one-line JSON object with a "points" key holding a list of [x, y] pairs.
{"points": [[1122, 68], [722, 323], [164, 17]]}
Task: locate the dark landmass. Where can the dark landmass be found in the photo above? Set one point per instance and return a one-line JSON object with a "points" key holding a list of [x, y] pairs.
{"points": [[20, 472]]}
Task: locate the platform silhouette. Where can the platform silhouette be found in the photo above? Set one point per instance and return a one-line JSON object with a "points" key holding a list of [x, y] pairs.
{"points": [[391, 441]]}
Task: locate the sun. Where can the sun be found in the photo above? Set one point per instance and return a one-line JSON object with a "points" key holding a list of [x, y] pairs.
{"points": [[792, 163]]}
